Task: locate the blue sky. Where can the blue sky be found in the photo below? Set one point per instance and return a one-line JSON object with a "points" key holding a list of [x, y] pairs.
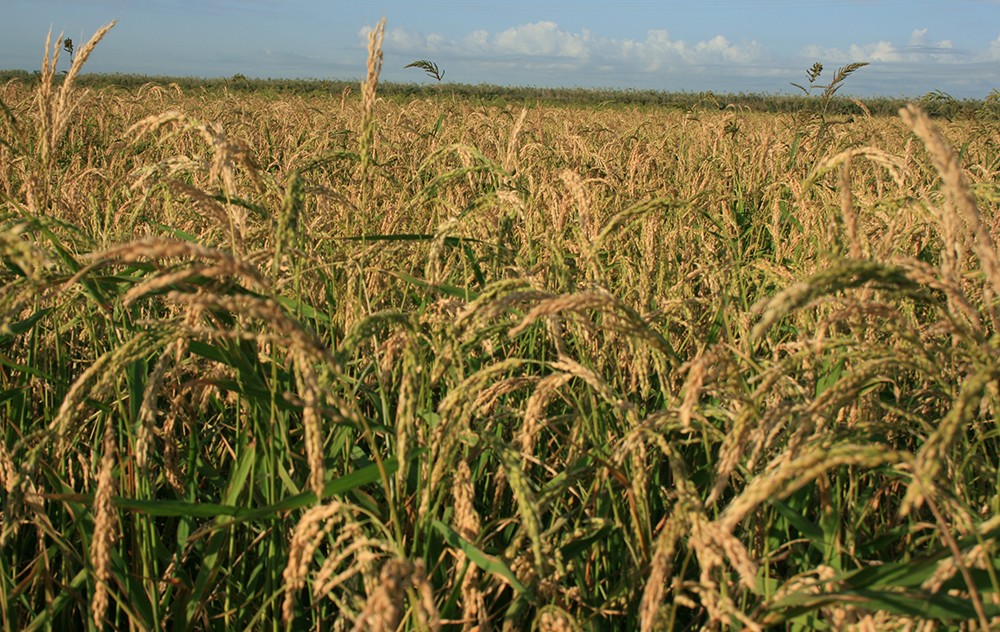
{"points": [[913, 46]]}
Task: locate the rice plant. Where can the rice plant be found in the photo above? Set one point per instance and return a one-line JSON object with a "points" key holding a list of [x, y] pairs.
{"points": [[382, 363]]}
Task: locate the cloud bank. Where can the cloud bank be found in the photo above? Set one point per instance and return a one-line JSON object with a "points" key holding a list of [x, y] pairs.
{"points": [[545, 41], [543, 53]]}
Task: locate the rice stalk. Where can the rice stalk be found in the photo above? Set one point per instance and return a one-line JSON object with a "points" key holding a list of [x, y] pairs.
{"points": [[959, 195], [369, 93], [56, 108]]}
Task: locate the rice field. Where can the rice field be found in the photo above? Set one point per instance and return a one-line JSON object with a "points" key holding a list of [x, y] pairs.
{"points": [[347, 362]]}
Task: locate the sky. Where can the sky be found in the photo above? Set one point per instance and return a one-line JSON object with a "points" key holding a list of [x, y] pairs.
{"points": [[727, 46]]}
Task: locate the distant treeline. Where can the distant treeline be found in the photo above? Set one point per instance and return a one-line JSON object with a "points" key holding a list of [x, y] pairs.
{"points": [[937, 103]]}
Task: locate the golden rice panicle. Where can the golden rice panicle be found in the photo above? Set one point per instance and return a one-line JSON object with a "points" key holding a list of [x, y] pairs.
{"points": [[721, 609], [8, 471], [312, 422], [847, 210], [55, 109], [63, 108], [456, 410], [148, 411], [386, 605], [467, 520], [351, 554], [593, 380], [785, 475], [172, 470], [206, 206], [638, 497], [427, 611], [220, 264], [349, 557], [712, 542], [565, 303], [511, 155], [369, 88], [43, 94], [369, 92], [542, 555], [660, 572], [22, 496], [406, 408], [547, 387], [554, 619], [94, 380], [697, 372], [467, 525], [104, 528], [474, 611], [732, 450], [312, 528], [578, 193], [227, 151]]}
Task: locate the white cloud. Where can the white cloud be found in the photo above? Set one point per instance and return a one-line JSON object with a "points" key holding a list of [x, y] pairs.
{"points": [[541, 39], [405, 40], [720, 48], [478, 41], [918, 37], [918, 49], [879, 51], [993, 52], [660, 51]]}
